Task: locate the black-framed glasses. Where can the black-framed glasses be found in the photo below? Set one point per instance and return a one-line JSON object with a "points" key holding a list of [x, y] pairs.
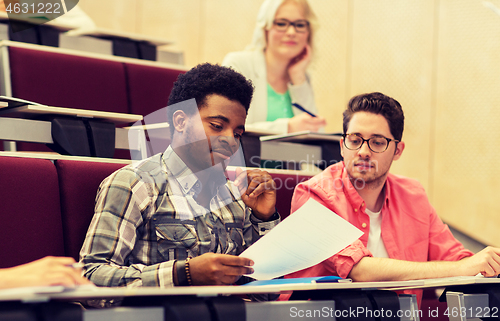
{"points": [[377, 144], [299, 25]]}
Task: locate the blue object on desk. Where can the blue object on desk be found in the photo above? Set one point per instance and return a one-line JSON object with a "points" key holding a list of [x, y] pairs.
{"points": [[318, 279], [303, 109]]}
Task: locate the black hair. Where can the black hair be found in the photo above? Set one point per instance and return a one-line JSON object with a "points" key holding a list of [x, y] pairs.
{"points": [[380, 104], [207, 79]]}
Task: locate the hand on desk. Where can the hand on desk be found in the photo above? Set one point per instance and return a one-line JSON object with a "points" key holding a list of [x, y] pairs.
{"points": [[218, 269], [43, 272], [305, 122], [486, 262]]}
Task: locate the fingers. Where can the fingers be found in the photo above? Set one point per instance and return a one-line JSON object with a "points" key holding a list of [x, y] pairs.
{"points": [[211, 268], [231, 260], [241, 180], [253, 182], [235, 266], [48, 271], [305, 121], [59, 271], [315, 121], [487, 261], [66, 278], [259, 182], [493, 262]]}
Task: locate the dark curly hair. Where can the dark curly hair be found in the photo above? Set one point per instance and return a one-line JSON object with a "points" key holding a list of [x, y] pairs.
{"points": [[207, 79], [380, 104]]}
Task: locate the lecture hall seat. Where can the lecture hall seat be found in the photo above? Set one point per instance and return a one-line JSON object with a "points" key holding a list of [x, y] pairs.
{"points": [[149, 87], [30, 214], [78, 183], [65, 80]]}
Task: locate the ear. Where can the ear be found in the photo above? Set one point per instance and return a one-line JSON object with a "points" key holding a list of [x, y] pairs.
{"points": [[399, 150], [179, 120], [341, 142]]}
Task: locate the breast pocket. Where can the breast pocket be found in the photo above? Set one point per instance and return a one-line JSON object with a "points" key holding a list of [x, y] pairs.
{"points": [[235, 239], [175, 238]]}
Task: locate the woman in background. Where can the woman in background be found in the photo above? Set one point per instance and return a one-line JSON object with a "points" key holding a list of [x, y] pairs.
{"points": [[276, 62]]}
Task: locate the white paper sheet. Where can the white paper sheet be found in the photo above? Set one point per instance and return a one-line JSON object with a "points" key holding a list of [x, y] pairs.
{"points": [[309, 236]]}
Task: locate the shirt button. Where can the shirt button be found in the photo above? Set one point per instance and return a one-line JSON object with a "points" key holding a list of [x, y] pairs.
{"points": [[355, 210], [363, 225]]}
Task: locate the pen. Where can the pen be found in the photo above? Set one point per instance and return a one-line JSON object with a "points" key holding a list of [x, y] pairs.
{"points": [[303, 109]]}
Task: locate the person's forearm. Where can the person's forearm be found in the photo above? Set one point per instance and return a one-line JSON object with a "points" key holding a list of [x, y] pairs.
{"points": [[105, 274], [384, 269]]}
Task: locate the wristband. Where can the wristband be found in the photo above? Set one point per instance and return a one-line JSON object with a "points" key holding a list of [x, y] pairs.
{"points": [[187, 271], [180, 267]]}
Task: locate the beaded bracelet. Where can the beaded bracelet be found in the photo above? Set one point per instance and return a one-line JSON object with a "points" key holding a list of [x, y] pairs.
{"points": [[188, 273]]}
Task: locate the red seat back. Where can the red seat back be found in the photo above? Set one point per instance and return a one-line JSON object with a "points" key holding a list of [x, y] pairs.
{"points": [[149, 87], [285, 185], [79, 181], [30, 214]]}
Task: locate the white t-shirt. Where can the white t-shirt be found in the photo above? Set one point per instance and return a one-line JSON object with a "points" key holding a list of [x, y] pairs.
{"points": [[375, 243]]}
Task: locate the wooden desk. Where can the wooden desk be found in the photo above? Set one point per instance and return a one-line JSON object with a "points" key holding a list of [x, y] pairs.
{"points": [[155, 303], [28, 129], [302, 147]]}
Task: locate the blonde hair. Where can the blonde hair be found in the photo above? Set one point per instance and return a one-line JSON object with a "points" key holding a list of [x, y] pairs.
{"points": [[265, 19]]}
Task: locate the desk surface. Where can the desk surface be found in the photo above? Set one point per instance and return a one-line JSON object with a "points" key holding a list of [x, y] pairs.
{"points": [[303, 137], [28, 111], [88, 292], [39, 294], [109, 34], [85, 292]]}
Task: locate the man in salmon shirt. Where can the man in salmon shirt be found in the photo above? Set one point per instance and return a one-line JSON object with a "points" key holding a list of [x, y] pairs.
{"points": [[403, 236]]}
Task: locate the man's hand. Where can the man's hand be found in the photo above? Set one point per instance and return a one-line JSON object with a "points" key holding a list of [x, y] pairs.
{"points": [[258, 191], [218, 269], [486, 262]]}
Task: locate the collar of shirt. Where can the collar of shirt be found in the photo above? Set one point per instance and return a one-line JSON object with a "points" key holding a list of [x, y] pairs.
{"points": [[188, 181]]}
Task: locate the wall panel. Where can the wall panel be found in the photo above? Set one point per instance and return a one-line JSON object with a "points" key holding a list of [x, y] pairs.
{"points": [[392, 52], [229, 27], [113, 14], [179, 21], [467, 133], [329, 68]]}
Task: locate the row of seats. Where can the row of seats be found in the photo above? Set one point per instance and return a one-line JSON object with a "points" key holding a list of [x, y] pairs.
{"points": [[47, 206], [68, 79]]}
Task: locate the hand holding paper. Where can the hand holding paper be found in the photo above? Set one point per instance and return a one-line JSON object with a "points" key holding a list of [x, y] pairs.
{"points": [[309, 236]]}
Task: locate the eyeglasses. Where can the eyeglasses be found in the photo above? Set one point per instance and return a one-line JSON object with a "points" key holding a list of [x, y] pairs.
{"points": [[299, 25], [377, 144]]}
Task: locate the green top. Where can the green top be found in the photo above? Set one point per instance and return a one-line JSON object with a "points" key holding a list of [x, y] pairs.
{"points": [[278, 105]]}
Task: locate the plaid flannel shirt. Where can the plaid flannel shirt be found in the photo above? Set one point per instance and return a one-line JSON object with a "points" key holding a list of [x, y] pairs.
{"points": [[146, 217]]}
